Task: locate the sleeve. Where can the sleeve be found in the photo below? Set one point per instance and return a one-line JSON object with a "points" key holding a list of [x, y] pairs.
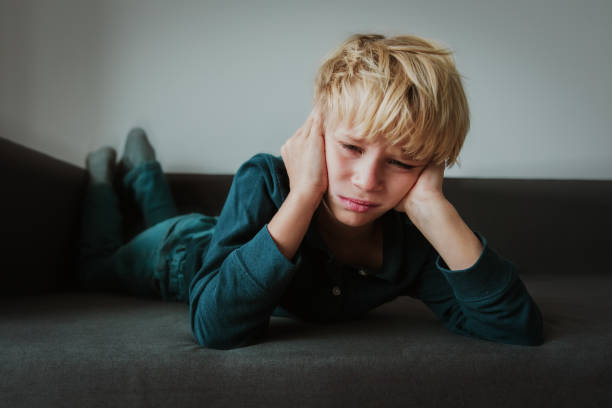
{"points": [[487, 300], [243, 274]]}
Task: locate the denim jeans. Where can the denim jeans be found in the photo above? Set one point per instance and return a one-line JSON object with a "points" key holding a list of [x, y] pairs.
{"points": [[150, 264]]}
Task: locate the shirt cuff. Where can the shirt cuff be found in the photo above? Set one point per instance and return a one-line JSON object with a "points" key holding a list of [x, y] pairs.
{"points": [[489, 275]]}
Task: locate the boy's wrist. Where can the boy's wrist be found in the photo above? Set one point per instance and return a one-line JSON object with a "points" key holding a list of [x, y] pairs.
{"points": [[290, 223], [305, 199], [443, 227], [419, 210]]}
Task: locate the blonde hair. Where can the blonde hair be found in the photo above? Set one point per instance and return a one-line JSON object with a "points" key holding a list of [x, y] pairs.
{"points": [[404, 88]]}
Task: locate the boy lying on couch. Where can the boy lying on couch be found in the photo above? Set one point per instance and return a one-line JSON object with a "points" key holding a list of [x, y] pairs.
{"points": [[350, 216]]}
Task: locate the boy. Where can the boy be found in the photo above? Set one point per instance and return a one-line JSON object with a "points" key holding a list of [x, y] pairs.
{"points": [[350, 216]]}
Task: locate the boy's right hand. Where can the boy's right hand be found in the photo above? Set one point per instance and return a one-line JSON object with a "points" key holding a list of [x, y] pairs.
{"points": [[304, 158]]}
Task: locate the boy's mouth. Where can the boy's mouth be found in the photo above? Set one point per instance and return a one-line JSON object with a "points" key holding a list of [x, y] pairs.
{"points": [[356, 205]]}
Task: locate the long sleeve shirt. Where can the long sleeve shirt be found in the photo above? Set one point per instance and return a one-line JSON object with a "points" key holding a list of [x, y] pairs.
{"points": [[241, 279]]}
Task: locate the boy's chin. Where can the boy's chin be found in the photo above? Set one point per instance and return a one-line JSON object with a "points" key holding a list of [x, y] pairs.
{"points": [[351, 219]]}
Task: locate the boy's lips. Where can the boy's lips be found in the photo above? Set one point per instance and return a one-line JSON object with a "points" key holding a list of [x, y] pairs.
{"points": [[362, 202], [354, 204]]}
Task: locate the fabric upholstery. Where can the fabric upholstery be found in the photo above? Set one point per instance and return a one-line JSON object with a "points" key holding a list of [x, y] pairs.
{"points": [[61, 347], [111, 350]]}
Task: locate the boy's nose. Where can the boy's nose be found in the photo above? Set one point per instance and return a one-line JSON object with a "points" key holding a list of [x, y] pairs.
{"points": [[366, 176]]}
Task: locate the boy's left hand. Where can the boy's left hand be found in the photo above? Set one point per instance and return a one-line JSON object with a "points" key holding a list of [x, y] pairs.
{"points": [[427, 187]]}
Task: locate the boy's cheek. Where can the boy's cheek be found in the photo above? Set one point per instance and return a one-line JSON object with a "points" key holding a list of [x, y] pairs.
{"points": [[401, 204]]}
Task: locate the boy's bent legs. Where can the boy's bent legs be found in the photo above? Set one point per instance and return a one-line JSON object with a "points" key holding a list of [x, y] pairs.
{"points": [[150, 265], [151, 192], [103, 259], [128, 268], [192, 232], [135, 266], [100, 234]]}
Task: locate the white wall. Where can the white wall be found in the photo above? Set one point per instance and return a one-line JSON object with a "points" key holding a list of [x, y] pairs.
{"points": [[215, 82]]}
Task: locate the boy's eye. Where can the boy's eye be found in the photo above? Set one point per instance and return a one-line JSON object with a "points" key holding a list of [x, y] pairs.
{"points": [[396, 163], [351, 147], [401, 165]]}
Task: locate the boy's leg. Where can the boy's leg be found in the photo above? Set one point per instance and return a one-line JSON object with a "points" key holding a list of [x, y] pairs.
{"points": [[151, 191], [150, 264], [100, 223], [100, 235], [135, 265], [104, 262], [191, 232], [145, 179]]}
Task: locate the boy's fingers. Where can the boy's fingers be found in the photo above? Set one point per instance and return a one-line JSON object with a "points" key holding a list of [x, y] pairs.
{"points": [[310, 120], [315, 113], [315, 127], [313, 123], [319, 124]]}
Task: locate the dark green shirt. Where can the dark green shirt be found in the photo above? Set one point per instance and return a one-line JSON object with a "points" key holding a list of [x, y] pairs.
{"points": [[241, 279]]}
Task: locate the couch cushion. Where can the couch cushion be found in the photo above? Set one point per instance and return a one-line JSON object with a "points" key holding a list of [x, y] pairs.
{"points": [[71, 349]]}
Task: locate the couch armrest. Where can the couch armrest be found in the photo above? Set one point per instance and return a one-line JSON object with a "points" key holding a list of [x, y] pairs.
{"points": [[40, 204]]}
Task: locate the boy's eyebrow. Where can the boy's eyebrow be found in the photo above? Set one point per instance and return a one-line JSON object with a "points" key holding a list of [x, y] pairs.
{"points": [[408, 156], [348, 134], [405, 155]]}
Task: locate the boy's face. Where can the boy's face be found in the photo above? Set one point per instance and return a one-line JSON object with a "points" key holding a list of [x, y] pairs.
{"points": [[377, 174]]}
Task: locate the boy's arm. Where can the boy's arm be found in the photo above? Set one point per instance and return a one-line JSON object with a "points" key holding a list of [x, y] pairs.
{"points": [[289, 225], [476, 292], [441, 224], [247, 267], [243, 274]]}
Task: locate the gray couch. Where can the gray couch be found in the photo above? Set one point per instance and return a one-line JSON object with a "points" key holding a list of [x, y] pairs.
{"points": [[62, 347]]}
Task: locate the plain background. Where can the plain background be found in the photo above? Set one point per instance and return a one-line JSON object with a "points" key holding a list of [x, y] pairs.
{"points": [[214, 82]]}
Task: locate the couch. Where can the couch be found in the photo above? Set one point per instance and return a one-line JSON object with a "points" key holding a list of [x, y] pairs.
{"points": [[62, 347]]}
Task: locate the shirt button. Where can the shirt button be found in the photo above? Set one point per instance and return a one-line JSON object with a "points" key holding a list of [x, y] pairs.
{"points": [[336, 291], [363, 272]]}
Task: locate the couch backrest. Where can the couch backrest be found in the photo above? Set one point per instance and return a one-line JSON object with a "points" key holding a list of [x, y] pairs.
{"points": [[543, 226]]}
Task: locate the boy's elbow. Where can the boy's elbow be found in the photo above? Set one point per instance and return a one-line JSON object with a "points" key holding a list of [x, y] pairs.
{"points": [[213, 343], [207, 337], [527, 328], [210, 337], [524, 330], [532, 332], [203, 338]]}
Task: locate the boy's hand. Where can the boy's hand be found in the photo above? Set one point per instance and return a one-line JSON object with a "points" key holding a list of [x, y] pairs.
{"points": [[438, 220], [304, 158], [428, 187]]}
